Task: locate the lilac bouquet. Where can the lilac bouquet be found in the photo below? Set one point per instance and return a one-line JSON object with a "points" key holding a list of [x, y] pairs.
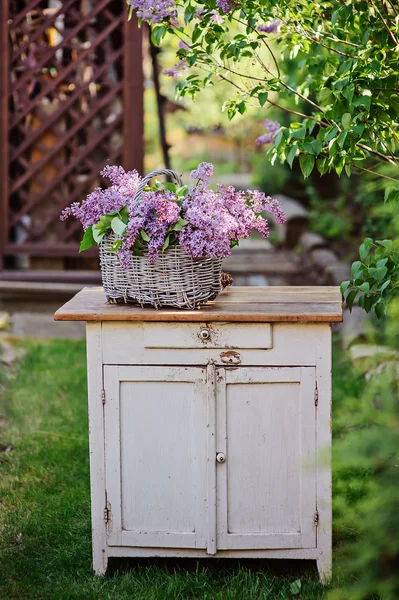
{"points": [[203, 221]]}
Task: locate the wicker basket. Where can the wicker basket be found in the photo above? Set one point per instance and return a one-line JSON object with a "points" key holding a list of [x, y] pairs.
{"points": [[175, 279]]}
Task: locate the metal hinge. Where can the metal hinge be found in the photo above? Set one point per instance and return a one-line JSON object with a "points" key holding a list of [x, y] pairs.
{"points": [[316, 396], [103, 396], [107, 512], [316, 517]]}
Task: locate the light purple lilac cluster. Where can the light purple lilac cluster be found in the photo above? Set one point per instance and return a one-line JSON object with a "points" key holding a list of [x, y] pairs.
{"points": [[100, 202], [218, 218], [214, 219], [154, 11], [271, 129], [154, 212], [178, 69], [272, 27], [227, 5]]}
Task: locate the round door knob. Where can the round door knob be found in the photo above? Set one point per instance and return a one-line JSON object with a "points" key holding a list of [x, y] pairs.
{"points": [[205, 334], [220, 457]]}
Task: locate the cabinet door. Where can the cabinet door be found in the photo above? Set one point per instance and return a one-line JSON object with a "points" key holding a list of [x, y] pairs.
{"points": [[266, 488], [155, 434]]}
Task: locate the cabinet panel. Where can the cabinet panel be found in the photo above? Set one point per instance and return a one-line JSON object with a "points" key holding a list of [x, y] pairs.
{"points": [[156, 456], [267, 486]]}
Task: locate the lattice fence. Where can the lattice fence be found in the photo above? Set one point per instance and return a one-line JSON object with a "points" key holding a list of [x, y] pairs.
{"points": [[74, 104]]}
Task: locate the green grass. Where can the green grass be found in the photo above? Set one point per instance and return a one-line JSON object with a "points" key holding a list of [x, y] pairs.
{"points": [[45, 537]]}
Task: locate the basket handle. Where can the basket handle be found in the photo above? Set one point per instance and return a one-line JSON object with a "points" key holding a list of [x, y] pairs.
{"points": [[147, 178]]}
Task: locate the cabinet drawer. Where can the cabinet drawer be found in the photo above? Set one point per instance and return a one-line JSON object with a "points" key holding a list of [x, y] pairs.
{"points": [[138, 343], [186, 336]]}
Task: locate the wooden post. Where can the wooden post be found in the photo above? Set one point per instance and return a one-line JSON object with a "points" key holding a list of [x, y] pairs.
{"points": [[3, 128], [154, 51], [133, 92]]}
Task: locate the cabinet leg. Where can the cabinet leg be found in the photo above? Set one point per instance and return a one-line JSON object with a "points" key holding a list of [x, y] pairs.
{"points": [[100, 561], [324, 567]]}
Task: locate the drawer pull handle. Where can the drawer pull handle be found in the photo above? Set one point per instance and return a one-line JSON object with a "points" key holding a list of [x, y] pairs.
{"points": [[205, 335], [221, 457]]}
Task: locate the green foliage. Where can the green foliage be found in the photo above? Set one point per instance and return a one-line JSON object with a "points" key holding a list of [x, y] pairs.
{"points": [[345, 76], [375, 276], [366, 479]]}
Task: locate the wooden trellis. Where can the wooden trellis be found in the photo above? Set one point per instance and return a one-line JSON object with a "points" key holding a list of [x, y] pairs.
{"points": [[71, 101]]}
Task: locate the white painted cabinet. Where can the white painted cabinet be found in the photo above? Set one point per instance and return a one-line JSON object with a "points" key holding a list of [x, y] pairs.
{"points": [[210, 429]]}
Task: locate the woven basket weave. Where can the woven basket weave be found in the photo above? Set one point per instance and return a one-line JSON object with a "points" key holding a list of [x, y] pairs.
{"points": [[175, 279]]}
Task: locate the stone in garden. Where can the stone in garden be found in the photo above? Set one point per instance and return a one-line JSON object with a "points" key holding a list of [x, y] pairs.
{"points": [[4, 320]]}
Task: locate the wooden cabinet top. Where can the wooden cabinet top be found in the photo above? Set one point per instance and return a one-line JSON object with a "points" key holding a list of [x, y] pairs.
{"points": [[236, 304]]}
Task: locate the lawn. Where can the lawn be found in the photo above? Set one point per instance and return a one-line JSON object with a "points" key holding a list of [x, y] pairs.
{"points": [[45, 546]]}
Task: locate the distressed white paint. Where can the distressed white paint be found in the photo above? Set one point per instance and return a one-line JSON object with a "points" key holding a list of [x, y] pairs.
{"points": [[292, 344], [171, 421], [97, 443], [270, 498], [219, 335], [155, 455]]}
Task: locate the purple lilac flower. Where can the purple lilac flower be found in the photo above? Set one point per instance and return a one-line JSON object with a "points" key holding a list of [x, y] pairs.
{"points": [[271, 129], [178, 69], [183, 46], [154, 212], [154, 10], [216, 17], [100, 202], [216, 219], [273, 27], [203, 172], [226, 5]]}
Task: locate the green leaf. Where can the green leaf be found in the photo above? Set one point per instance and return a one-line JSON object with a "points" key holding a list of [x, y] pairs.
{"points": [[346, 120], [316, 146], [145, 237], [291, 155], [326, 96], [295, 587], [196, 33], [166, 243], [306, 162], [322, 165], [365, 248], [88, 240], [116, 245], [365, 287], [355, 268], [262, 97], [118, 226], [344, 286], [98, 232], [169, 186], [378, 273], [385, 285], [157, 35], [179, 225], [380, 309], [351, 298], [298, 134], [182, 191]]}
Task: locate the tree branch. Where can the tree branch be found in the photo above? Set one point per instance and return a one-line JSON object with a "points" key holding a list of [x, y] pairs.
{"points": [[391, 35]]}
